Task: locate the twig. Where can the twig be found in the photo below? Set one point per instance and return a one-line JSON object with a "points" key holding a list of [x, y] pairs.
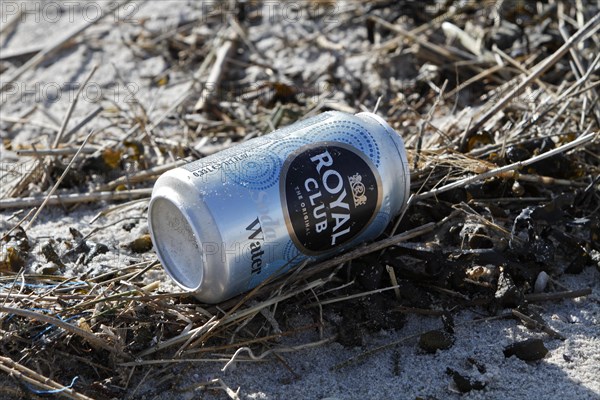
{"points": [[579, 70], [21, 53], [427, 121], [511, 167], [376, 246], [142, 175], [74, 198], [27, 375], [548, 180], [192, 333], [532, 323], [522, 69], [20, 273], [25, 179], [231, 314], [591, 27], [26, 121], [13, 21], [166, 361], [181, 349], [392, 274], [116, 207], [570, 294], [47, 174], [372, 351], [59, 181], [473, 79], [256, 340], [221, 385], [214, 78], [267, 303], [95, 112], [451, 54], [275, 351], [418, 311], [377, 105], [17, 225], [567, 94], [88, 336], [117, 296], [354, 296], [64, 151], [71, 108]]}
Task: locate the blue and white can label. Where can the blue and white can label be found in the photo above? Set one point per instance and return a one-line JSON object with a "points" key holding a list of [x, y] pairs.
{"points": [[330, 192]]}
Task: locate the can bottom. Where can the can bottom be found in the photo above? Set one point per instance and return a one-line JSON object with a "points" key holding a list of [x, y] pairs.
{"points": [[176, 243]]}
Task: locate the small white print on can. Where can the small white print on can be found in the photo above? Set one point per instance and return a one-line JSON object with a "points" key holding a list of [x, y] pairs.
{"points": [[225, 223]]}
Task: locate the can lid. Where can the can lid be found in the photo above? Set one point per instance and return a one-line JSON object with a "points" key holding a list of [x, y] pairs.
{"points": [[177, 244]]}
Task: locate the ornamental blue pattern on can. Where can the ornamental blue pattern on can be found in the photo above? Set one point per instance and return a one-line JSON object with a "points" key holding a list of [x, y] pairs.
{"points": [[223, 224]]}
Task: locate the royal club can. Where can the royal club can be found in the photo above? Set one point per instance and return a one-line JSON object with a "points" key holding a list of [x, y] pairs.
{"points": [[223, 224]]}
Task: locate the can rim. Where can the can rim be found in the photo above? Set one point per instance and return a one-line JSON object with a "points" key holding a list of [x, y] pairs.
{"points": [[186, 270]]}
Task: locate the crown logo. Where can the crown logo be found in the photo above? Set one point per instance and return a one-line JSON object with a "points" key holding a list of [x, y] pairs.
{"points": [[358, 189]]}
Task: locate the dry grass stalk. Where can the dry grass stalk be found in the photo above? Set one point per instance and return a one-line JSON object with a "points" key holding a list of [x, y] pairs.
{"points": [[590, 28], [569, 294], [233, 395], [225, 47], [91, 338], [532, 323], [25, 374], [35, 201], [67, 118], [583, 139], [63, 151], [58, 182], [277, 350], [142, 175]]}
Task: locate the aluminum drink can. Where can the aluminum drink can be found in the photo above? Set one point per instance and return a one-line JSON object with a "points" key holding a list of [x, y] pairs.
{"points": [[223, 224]]}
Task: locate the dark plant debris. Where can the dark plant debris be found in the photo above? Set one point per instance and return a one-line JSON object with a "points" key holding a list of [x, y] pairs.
{"points": [[527, 350], [433, 341], [464, 383], [140, 245]]}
